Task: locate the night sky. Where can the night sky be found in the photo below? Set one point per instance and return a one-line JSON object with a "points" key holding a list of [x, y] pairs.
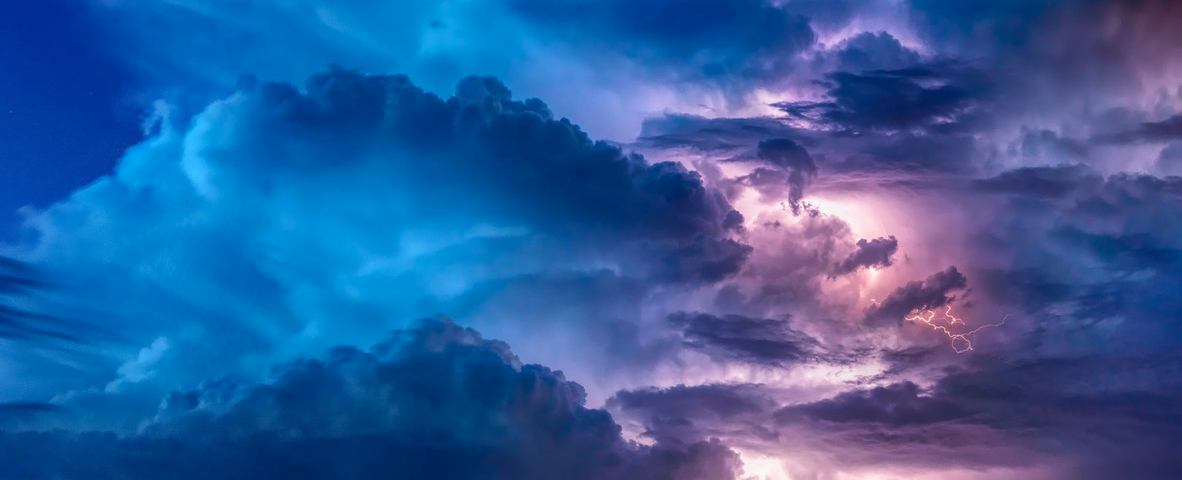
{"points": [[591, 239]]}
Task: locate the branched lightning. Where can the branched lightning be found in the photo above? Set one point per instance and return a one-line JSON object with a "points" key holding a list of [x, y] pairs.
{"points": [[963, 338]]}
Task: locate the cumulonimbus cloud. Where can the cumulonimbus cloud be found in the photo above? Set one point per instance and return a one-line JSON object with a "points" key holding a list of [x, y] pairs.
{"points": [[433, 400]]}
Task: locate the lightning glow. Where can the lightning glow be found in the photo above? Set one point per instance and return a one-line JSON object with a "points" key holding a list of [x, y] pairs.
{"points": [[762, 467], [963, 338]]}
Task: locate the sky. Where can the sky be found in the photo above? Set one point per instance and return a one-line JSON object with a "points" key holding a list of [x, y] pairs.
{"points": [[591, 239]]}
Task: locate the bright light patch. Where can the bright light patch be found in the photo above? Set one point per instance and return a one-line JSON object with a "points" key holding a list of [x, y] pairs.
{"points": [[873, 272], [762, 467], [864, 222]]}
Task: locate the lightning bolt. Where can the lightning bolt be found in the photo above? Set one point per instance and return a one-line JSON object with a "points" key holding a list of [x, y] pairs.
{"points": [[955, 338]]}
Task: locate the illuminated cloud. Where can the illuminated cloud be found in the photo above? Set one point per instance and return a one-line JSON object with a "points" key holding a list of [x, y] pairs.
{"points": [[424, 204], [714, 273]]}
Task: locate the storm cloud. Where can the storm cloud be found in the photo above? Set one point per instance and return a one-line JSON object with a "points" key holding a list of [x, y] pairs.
{"points": [[932, 292], [874, 253], [716, 216], [434, 400]]}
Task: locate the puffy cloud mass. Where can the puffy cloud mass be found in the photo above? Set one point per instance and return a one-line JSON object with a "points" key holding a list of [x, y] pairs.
{"points": [[436, 400], [933, 292], [717, 221], [365, 194], [874, 253]]}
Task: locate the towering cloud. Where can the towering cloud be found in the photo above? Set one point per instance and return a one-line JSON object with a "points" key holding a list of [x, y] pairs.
{"points": [[715, 275], [423, 204], [436, 400]]}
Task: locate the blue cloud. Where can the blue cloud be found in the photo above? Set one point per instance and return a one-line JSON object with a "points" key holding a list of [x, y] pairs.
{"points": [[435, 400], [278, 211]]}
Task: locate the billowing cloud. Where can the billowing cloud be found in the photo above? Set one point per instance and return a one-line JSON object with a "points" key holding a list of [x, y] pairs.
{"points": [[714, 275], [998, 414], [875, 51], [932, 292], [435, 400], [431, 204], [874, 253]]}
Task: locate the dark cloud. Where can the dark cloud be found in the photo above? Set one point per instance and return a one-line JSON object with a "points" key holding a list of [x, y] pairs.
{"points": [[759, 341], [1088, 417], [691, 413], [1066, 51], [281, 207], [470, 139], [933, 97], [702, 260], [437, 400], [16, 416], [1031, 288], [788, 155], [17, 413], [924, 118], [935, 291], [874, 51], [870, 253], [1082, 192], [1002, 413], [1166, 130], [893, 405], [1006, 396], [711, 134], [1126, 253], [903, 154], [1045, 182], [1096, 260]]}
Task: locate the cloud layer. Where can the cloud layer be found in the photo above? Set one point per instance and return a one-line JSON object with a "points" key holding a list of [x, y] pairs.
{"points": [[729, 278], [436, 400]]}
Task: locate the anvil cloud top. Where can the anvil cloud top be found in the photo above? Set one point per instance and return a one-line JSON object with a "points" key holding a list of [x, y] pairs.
{"points": [[591, 239]]}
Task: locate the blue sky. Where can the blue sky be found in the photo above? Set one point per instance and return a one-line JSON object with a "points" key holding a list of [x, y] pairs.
{"points": [[591, 239], [69, 106]]}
